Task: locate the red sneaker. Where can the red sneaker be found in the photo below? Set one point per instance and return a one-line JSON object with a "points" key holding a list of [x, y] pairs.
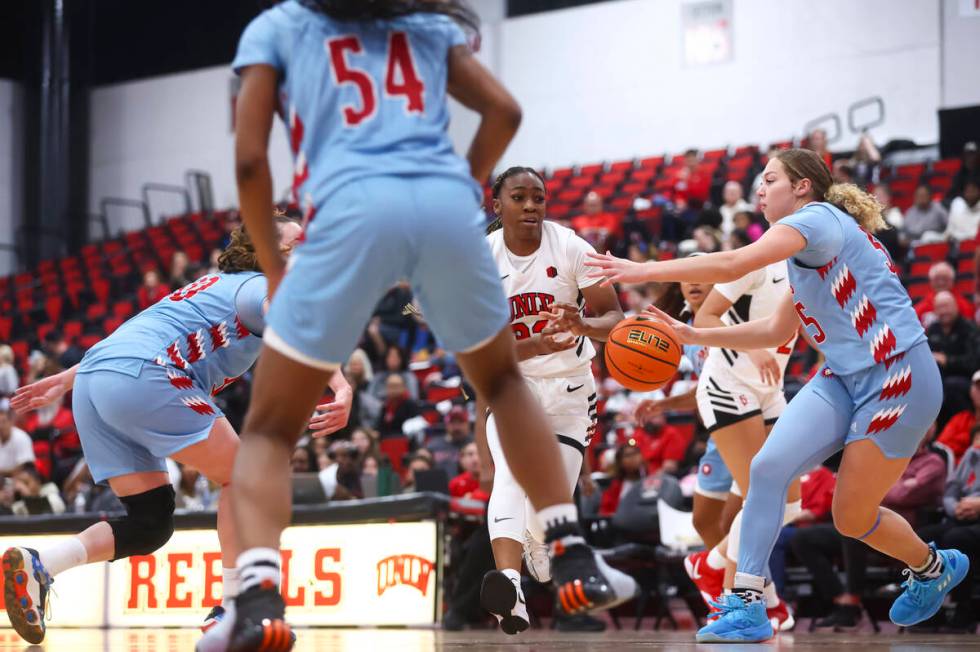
{"points": [[710, 581], [781, 617]]}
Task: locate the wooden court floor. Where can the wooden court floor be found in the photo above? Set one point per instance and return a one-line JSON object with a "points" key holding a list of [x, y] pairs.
{"points": [[422, 640]]}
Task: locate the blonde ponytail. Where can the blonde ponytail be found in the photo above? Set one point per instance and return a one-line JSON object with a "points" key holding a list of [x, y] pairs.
{"points": [[863, 207]]}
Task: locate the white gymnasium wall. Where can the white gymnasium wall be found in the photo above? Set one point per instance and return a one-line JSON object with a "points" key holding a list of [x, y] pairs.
{"points": [[157, 129], [596, 82], [609, 81], [961, 53], [11, 167]]}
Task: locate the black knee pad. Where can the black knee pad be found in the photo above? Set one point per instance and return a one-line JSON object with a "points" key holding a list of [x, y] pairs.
{"points": [[148, 523]]}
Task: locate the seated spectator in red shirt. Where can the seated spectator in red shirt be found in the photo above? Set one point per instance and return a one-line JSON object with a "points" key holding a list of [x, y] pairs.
{"points": [[956, 435], [628, 472], [467, 483], [397, 408], [152, 290], [663, 445], [691, 186], [595, 225], [942, 278]]}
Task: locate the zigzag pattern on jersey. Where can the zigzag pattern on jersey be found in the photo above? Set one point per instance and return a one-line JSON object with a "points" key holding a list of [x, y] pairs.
{"points": [[896, 385], [823, 271], [179, 380], [844, 287], [863, 315], [883, 344], [198, 404], [196, 344]]}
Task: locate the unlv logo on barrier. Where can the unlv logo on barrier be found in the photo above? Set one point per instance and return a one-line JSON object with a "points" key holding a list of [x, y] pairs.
{"points": [[404, 569]]}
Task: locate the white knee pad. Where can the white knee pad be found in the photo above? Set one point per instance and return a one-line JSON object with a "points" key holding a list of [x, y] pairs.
{"points": [[790, 512]]}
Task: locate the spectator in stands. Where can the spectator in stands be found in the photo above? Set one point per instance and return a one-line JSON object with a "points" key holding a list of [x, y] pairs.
{"points": [[866, 160], [213, 261], [152, 290], [376, 471], [598, 227], [56, 442], [417, 462], [365, 442], [7, 496], [28, 485], [365, 407], [302, 459], [843, 172], [942, 278], [734, 202], [969, 168], [629, 470], [708, 240], [964, 212], [961, 528], [16, 448], [61, 351], [467, 483], [958, 432], [9, 378], [394, 326], [925, 220], [749, 222], [893, 215], [736, 240], [817, 142], [395, 364], [955, 344], [691, 186], [446, 450], [663, 446], [398, 407], [817, 496], [920, 486], [179, 270], [342, 479]]}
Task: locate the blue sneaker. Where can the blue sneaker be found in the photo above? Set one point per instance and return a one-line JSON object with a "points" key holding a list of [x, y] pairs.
{"points": [[737, 622], [923, 598]]}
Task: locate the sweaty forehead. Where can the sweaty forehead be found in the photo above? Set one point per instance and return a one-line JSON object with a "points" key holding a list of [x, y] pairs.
{"points": [[523, 181]]}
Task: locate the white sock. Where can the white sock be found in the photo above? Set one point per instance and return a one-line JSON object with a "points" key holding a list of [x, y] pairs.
{"points": [[258, 567], [716, 560], [559, 520], [229, 585], [514, 576], [67, 554], [772, 598], [753, 582]]}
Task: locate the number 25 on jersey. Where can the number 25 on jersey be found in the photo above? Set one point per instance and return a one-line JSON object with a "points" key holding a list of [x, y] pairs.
{"points": [[401, 80]]}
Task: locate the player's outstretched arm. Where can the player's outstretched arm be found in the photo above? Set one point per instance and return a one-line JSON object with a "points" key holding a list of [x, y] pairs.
{"points": [[755, 334], [253, 121], [778, 243], [43, 392], [476, 88]]}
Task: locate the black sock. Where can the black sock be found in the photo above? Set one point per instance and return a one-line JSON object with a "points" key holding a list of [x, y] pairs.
{"points": [[931, 569], [748, 595]]}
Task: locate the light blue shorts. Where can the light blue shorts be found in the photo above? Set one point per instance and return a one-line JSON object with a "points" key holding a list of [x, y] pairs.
{"points": [[128, 424], [714, 478], [368, 236]]}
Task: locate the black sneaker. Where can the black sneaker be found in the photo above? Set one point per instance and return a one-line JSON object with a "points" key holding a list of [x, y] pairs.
{"points": [[843, 617], [260, 623], [584, 582], [580, 623], [501, 597]]}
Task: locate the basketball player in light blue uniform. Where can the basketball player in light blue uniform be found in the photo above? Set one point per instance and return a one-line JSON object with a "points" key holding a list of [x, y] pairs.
{"points": [[141, 395], [362, 88], [878, 394]]}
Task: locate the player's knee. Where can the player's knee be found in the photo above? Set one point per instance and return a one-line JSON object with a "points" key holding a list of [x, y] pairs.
{"points": [[765, 468], [853, 522], [147, 525]]}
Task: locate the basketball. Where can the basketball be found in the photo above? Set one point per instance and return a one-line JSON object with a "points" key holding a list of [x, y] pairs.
{"points": [[642, 354]]}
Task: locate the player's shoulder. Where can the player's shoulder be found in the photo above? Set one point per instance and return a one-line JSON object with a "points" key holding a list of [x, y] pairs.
{"points": [[287, 14], [563, 237]]}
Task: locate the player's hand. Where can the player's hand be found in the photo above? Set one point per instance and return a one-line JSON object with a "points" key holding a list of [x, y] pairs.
{"points": [[648, 409], [616, 270], [940, 358], [332, 415], [40, 393], [685, 333], [553, 342], [765, 362], [566, 317]]}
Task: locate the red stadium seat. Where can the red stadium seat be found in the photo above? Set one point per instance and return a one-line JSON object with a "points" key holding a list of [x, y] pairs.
{"points": [[21, 350], [635, 188], [940, 184], [561, 173], [88, 341], [73, 330], [967, 247], [622, 203], [966, 284], [96, 311], [946, 167], [395, 448], [123, 309], [918, 290], [581, 182], [653, 162], [101, 290], [714, 155], [645, 175], [591, 170], [935, 251], [6, 326], [621, 166], [912, 171], [920, 268], [52, 307], [111, 324]]}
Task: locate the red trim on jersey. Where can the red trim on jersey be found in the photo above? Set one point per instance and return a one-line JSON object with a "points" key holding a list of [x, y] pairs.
{"points": [[219, 336], [240, 329], [885, 419], [896, 385], [195, 347], [883, 344], [174, 354], [823, 271]]}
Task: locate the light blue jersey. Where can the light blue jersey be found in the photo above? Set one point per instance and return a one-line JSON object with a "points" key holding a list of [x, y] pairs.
{"points": [[209, 330], [359, 98], [696, 355], [847, 292]]}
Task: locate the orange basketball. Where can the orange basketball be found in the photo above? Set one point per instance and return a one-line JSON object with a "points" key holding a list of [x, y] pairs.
{"points": [[642, 353]]}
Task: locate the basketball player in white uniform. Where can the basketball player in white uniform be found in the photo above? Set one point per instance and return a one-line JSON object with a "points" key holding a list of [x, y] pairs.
{"points": [[542, 270], [740, 396]]}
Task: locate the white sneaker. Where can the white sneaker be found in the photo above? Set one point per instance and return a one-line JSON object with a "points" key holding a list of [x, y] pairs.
{"points": [[218, 636], [537, 558], [505, 600]]}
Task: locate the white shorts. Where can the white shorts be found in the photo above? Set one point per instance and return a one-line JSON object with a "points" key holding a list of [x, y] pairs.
{"points": [[571, 415], [725, 399]]}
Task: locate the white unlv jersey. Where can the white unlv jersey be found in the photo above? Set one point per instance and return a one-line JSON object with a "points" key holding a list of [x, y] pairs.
{"points": [[756, 295], [556, 272]]}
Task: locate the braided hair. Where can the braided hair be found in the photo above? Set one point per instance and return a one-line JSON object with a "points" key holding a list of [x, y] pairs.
{"points": [[498, 184], [458, 10]]}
